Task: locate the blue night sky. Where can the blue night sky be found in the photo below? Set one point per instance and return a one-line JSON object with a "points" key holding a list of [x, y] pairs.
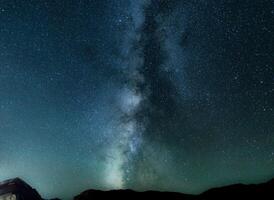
{"points": [[171, 95]]}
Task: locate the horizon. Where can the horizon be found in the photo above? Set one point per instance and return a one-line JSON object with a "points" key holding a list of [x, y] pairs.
{"points": [[142, 191]]}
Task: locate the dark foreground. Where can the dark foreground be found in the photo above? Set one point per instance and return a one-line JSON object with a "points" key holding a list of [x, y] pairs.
{"points": [[238, 191], [17, 189]]}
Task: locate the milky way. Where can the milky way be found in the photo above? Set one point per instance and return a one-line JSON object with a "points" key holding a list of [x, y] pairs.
{"points": [[129, 136], [149, 95]]}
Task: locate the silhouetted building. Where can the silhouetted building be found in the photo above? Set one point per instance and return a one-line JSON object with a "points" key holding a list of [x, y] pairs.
{"points": [[17, 189]]}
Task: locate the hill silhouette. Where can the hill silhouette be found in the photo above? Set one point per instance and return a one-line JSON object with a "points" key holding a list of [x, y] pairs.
{"points": [[12, 188], [237, 191]]}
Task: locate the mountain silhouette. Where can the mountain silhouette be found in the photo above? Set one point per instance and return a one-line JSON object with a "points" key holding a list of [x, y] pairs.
{"points": [[237, 191], [17, 189]]}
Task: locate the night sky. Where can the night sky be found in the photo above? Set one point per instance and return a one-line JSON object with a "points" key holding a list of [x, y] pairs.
{"points": [[173, 95]]}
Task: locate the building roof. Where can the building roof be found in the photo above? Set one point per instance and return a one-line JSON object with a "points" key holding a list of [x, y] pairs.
{"points": [[17, 185]]}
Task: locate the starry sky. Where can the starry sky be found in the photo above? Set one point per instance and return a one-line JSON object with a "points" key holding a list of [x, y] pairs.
{"points": [[173, 95]]}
